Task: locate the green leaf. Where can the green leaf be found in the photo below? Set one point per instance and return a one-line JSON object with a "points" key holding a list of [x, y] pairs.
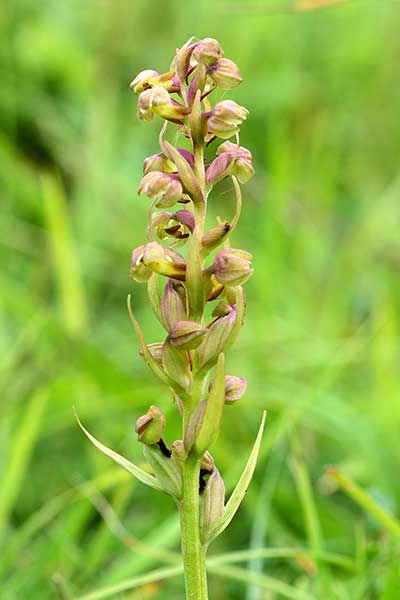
{"points": [[185, 171], [165, 469], [210, 426], [120, 460], [130, 584], [241, 486], [153, 292], [388, 521]]}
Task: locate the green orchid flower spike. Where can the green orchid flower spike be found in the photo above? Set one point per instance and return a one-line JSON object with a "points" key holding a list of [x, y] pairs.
{"points": [[190, 360]]}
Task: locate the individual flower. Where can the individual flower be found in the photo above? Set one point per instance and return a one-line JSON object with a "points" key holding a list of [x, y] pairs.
{"points": [[178, 225], [224, 119], [207, 51], [235, 388], [231, 160], [232, 267], [224, 73], [158, 101], [186, 335], [148, 79], [150, 426], [164, 189], [153, 257], [173, 304]]}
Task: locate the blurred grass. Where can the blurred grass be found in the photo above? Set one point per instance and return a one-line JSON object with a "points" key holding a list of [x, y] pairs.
{"points": [[321, 344]]}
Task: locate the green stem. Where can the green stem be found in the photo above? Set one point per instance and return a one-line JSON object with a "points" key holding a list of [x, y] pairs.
{"points": [[192, 550]]}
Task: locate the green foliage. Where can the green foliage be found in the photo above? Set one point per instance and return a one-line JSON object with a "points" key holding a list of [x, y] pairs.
{"points": [[320, 346]]}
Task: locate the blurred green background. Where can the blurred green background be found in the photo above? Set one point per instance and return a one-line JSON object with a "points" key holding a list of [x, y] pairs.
{"points": [[320, 348]]}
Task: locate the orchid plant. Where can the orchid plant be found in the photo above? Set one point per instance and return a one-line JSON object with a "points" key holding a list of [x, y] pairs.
{"points": [[191, 358]]}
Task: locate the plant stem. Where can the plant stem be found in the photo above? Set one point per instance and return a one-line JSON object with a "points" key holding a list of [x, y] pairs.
{"points": [[193, 552], [192, 549]]}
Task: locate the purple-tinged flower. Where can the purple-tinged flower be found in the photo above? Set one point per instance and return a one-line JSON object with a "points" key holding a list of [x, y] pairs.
{"points": [[224, 119], [231, 160], [145, 80], [150, 426], [207, 51], [164, 189], [224, 73], [153, 257], [158, 101], [232, 267], [186, 335], [173, 304]]}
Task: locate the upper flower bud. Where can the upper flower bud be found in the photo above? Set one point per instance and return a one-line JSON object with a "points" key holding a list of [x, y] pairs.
{"points": [[207, 51], [186, 335], [150, 426], [232, 267], [225, 118], [225, 73], [165, 189], [158, 101]]}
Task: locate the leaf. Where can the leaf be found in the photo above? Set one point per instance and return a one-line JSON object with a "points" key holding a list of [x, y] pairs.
{"points": [[155, 367], [210, 426], [388, 521], [241, 486], [165, 469], [264, 582], [185, 171], [153, 292], [120, 460], [130, 584]]}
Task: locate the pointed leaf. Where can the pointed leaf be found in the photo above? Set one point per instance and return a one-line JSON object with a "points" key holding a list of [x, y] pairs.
{"points": [[120, 460], [165, 469], [153, 292], [185, 171], [211, 422], [241, 486]]}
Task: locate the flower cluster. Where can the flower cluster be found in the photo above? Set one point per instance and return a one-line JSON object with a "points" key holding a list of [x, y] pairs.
{"points": [[192, 347], [191, 357]]}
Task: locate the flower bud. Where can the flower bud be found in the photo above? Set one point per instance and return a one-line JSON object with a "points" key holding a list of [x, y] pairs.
{"points": [[158, 101], [224, 119], [225, 73], [241, 161], [207, 51], [150, 426], [164, 189], [214, 236], [212, 502], [216, 339], [232, 267], [186, 335], [155, 350], [173, 305], [158, 162], [219, 168], [235, 388]]}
